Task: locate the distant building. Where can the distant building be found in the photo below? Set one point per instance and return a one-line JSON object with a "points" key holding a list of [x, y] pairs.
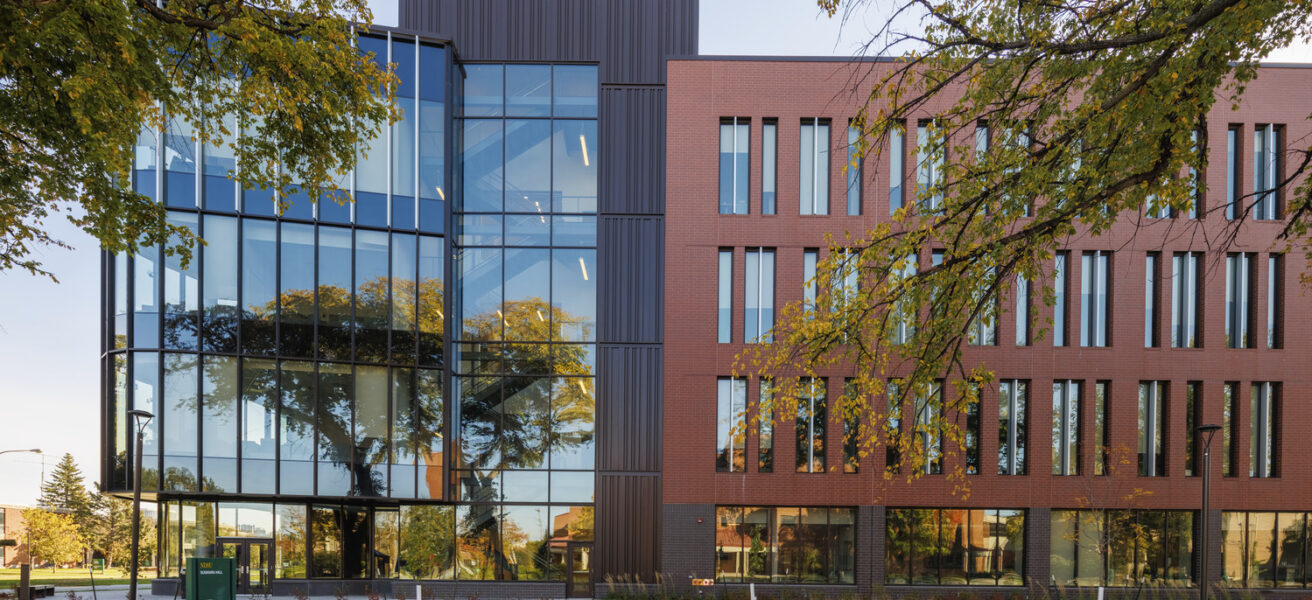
{"points": [[11, 528]]}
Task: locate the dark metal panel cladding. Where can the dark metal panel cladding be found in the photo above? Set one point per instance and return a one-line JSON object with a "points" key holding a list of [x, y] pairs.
{"points": [[628, 530], [629, 412], [630, 284], [632, 135], [636, 30]]}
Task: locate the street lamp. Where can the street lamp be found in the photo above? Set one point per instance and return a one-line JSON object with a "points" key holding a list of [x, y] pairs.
{"points": [[141, 418], [1210, 430], [33, 451]]}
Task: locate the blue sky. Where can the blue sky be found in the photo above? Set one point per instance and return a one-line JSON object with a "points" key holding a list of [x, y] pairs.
{"points": [[49, 364]]}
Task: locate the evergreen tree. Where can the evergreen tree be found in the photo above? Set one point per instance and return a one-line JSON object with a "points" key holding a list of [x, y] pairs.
{"points": [[65, 490]]}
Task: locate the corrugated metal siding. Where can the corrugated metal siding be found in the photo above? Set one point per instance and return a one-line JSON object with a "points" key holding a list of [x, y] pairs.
{"points": [[630, 283], [629, 408], [633, 139], [627, 508]]}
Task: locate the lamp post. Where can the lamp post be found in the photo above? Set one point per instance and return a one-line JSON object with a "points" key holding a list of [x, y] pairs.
{"points": [[1210, 430], [33, 451], [142, 418]]}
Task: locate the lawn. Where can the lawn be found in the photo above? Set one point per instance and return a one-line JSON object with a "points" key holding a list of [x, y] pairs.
{"points": [[71, 577]]}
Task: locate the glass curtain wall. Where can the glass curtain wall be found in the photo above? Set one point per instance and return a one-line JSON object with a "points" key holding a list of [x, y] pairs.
{"points": [[524, 265]]}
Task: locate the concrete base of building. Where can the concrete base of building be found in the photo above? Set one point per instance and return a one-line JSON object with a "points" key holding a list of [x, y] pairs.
{"points": [[412, 590]]}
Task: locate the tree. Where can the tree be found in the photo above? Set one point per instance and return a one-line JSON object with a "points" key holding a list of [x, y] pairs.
{"points": [[52, 537], [83, 76], [66, 491], [1093, 113], [112, 534]]}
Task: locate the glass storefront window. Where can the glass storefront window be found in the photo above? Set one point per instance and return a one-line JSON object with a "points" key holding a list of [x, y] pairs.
{"points": [[785, 545], [955, 547]]}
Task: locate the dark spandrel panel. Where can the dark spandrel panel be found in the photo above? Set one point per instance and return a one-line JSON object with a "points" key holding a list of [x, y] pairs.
{"points": [[573, 425], [630, 407], [377, 46], [403, 212], [481, 165], [259, 286], [483, 90], [432, 215], [371, 296], [574, 90], [528, 90], [332, 419], [371, 209], [334, 293], [633, 181], [431, 311], [403, 60], [528, 230], [296, 428], [574, 166], [259, 426], [628, 532], [372, 438], [526, 423], [296, 334], [258, 202], [528, 165], [480, 422], [180, 189], [432, 73], [630, 256], [220, 193], [332, 211], [574, 230], [219, 260], [297, 204]]}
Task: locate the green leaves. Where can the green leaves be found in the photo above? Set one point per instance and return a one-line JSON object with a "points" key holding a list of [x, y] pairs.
{"points": [[83, 75]]}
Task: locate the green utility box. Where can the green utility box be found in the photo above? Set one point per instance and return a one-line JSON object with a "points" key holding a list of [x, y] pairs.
{"points": [[211, 579]]}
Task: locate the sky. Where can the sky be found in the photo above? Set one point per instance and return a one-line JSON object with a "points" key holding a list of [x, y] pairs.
{"points": [[49, 363]]}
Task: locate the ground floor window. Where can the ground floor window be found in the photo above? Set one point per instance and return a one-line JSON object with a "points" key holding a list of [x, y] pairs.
{"points": [[785, 544], [1122, 548], [930, 546], [1266, 550], [429, 541]]}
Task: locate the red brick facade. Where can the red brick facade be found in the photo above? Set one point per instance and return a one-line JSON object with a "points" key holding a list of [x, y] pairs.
{"points": [[702, 91]]}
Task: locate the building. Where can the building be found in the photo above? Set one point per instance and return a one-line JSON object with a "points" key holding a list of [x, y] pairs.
{"points": [[500, 373], [11, 528], [1162, 333], [455, 379]]}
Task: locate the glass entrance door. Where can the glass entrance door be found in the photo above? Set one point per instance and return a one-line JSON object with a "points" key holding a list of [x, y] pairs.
{"points": [[253, 563], [578, 568]]}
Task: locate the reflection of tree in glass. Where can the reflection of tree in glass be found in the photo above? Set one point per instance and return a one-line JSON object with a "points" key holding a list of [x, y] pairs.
{"points": [[426, 542]]}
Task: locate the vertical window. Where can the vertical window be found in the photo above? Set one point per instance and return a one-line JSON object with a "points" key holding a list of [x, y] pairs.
{"points": [[810, 286], [1152, 428], [1275, 300], [1059, 303], [725, 313], [983, 328], [927, 434], [904, 326], [1151, 268], [765, 436], [1195, 183], [759, 296], [814, 186], [1012, 399], [1232, 172], [731, 424], [1022, 311], [851, 427], [1186, 293], [1066, 428], [853, 169], [972, 434], [930, 155], [1238, 290], [1192, 408], [734, 135], [1094, 280], [1101, 433], [1229, 423], [893, 429], [896, 174], [1266, 172], [811, 423], [845, 280], [769, 165], [1263, 422]]}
